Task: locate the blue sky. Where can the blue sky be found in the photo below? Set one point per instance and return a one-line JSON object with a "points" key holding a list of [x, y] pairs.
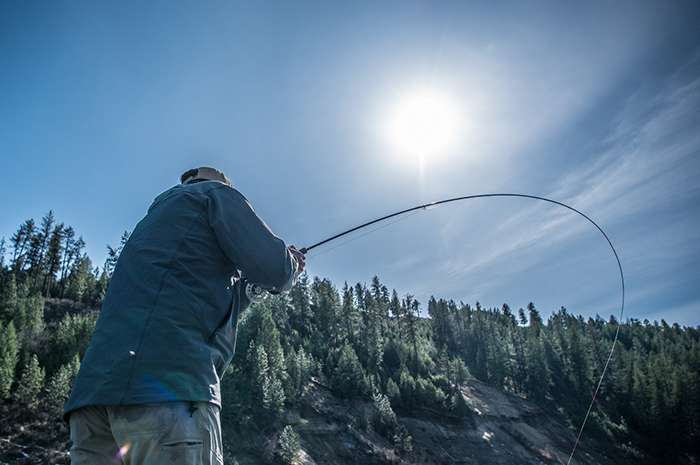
{"points": [[595, 104]]}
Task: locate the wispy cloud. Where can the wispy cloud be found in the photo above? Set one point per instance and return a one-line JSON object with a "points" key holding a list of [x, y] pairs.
{"points": [[654, 152]]}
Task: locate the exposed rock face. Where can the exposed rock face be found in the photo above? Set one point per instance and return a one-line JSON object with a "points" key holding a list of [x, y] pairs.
{"points": [[503, 429]]}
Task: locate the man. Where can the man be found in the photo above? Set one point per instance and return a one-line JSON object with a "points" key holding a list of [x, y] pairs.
{"points": [[148, 388]]}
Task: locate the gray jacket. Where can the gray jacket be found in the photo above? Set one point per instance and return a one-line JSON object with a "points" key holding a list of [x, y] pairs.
{"points": [[167, 328]]}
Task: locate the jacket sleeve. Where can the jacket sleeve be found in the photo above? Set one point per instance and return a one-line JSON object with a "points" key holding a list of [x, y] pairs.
{"points": [[255, 250]]}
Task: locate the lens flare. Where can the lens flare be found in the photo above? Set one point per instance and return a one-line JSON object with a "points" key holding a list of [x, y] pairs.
{"points": [[123, 450]]}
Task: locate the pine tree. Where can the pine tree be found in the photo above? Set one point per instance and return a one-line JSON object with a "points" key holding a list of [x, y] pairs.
{"points": [[439, 321], [72, 337], [379, 305], [535, 320], [299, 366], [458, 372], [71, 254], [3, 250], [579, 369], [349, 378], [301, 316], [325, 306], [59, 386], [537, 380], [289, 445], [29, 314], [37, 252], [78, 277], [113, 254], [393, 392], [497, 355], [520, 364], [373, 345], [54, 253], [30, 384], [556, 347], [267, 391], [522, 319], [384, 417], [9, 356], [9, 300], [410, 309], [349, 315], [97, 288], [20, 242], [507, 312], [480, 344], [407, 386]]}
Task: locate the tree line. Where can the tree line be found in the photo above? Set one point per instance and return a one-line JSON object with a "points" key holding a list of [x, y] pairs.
{"points": [[39, 359], [366, 341]]}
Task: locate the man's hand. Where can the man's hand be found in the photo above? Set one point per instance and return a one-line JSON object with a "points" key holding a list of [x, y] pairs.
{"points": [[300, 257]]}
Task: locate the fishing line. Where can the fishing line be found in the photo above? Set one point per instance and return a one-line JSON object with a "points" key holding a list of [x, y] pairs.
{"points": [[362, 235], [467, 197]]}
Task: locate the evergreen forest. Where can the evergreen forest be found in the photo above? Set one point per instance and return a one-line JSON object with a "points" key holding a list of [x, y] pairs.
{"points": [[363, 340]]}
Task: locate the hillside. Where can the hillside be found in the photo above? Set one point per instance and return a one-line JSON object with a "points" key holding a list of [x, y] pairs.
{"points": [[357, 376], [503, 429]]}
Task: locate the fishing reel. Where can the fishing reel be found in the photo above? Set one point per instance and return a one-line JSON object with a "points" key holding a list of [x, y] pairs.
{"points": [[255, 293]]}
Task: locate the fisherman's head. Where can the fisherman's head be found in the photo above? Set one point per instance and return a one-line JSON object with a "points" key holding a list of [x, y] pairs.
{"points": [[204, 174]]}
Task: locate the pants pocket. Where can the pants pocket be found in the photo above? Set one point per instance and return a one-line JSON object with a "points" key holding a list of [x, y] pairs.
{"points": [[185, 452]]}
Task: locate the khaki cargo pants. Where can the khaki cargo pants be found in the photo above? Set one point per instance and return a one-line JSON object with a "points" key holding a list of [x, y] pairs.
{"points": [[152, 434]]}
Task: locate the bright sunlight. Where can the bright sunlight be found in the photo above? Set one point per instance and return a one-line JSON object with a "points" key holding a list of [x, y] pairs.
{"points": [[424, 124]]}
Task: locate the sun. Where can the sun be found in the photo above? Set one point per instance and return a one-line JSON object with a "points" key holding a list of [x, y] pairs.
{"points": [[423, 124]]}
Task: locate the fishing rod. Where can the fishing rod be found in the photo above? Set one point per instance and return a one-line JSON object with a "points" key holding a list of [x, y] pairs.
{"points": [[257, 294], [456, 199]]}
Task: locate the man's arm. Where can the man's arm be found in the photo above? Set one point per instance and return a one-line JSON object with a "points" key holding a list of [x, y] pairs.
{"points": [[255, 250]]}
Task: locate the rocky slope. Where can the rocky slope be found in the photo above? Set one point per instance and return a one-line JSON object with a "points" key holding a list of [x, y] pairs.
{"points": [[502, 429]]}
